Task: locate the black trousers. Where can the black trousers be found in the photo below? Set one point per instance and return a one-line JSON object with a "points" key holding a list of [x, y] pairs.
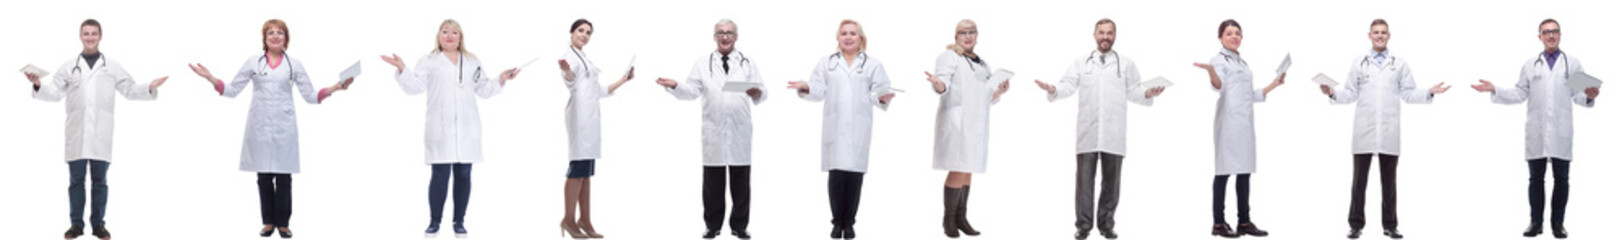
{"points": [[844, 195], [715, 188], [1562, 188], [1088, 165], [275, 198], [1388, 189], [1219, 188]]}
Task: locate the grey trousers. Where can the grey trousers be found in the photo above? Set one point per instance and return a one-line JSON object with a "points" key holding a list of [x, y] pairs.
{"points": [[1087, 166]]}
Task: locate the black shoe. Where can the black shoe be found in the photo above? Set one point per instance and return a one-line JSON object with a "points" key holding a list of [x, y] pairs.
{"points": [[1223, 230], [461, 232], [285, 234], [101, 233], [849, 232], [1356, 233], [740, 234], [1393, 234], [1107, 233], [73, 232], [838, 233], [1081, 235], [1534, 230], [1559, 231], [710, 234], [432, 231], [1250, 229]]}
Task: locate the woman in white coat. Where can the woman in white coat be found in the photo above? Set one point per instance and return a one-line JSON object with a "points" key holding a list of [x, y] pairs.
{"points": [[848, 82], [1235, 128], [582, 117], [451, 76], [962, 122], [270, 143]]}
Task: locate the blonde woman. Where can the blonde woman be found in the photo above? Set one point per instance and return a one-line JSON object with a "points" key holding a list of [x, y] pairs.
{"points": [[847, 82], [452, 77], [270, 145], [962, 121], [582, 116]]}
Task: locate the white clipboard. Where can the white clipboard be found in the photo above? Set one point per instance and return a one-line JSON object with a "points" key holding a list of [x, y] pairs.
{"points": [[1282, 67], [1581, 80], [36, 71], [740, 86], [1325, 80], [349, 74], [1157, 82]]}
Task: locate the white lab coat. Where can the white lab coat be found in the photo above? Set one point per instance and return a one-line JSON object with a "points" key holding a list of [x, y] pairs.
{"points": [[89, 91], [1548, 117], [582, 116], [1377, 89], [453, 133], [270, 142], [1235, 119], [728, 123], [1104, 84], [848, 92], [962, 120]]}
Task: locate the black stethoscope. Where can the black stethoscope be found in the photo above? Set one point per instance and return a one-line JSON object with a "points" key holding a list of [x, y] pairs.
{"points": [[1541, 61], [972, 61], [1226, 56], [859, 67], [742, 60], [1117, 55]]}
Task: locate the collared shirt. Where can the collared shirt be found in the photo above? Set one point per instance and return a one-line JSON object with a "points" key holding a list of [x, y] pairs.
{"points": [[1379, 56], [1549, 57]]}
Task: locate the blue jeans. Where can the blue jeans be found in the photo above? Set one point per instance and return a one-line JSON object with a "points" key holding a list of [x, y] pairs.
{"points": [[437, 188], [98, 183]]}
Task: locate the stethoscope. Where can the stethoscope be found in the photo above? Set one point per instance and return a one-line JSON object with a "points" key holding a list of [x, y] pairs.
{"points": [[742, 60], [859, 66], [460, 58], [76, 66], [1567, 62], [972, 62], [1117, 55], [264, 66], [1367, 60], [582, 58]]}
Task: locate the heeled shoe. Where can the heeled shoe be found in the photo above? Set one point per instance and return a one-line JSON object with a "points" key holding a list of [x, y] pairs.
{"points": [[573, 231], [267, 232], [284, 232], [589, 231]]}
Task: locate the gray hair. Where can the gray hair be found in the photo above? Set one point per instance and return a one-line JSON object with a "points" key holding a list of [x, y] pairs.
{"points": [[725, 21]]}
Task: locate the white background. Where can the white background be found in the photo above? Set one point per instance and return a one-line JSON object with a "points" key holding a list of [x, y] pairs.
{"points": [[175, 174]]}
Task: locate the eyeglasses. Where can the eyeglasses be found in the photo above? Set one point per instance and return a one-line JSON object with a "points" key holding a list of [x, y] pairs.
{"points": [[968, 32], [726, 33], [1550, 32]]}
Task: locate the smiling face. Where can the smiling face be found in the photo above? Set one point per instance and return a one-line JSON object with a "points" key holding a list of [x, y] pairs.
{"points": [[450, 37], [1380, 34], [1549, 33], [726, 35], [1104, 33], [850, 37], [276, 39], [581, 35], [967, 36], [1231, 36], [91, 37]]}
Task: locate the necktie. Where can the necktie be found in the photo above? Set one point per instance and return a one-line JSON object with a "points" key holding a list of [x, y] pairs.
{"points": [[724, 66]]}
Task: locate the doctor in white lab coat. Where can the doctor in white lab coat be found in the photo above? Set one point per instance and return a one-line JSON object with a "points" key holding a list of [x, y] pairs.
{"points": [[850, 84], [1235, 128], [962, 121], [452, 77], [1378, 82], [270, 145], [1549, 127], [728, 127], [88, 83], [583, 119], [1104, 82]]}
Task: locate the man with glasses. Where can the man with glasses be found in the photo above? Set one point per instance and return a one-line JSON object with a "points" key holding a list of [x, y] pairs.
{"points": [[727, 126]]}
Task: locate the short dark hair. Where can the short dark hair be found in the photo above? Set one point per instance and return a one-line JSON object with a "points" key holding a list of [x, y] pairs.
{"points": [[1548, 21], [1225, 24], [1103, 21], [1378, 22], [579, 22], [91, 22]]}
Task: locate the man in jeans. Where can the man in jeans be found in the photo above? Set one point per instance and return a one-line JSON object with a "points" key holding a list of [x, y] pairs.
{"points": [[88, 83]]}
